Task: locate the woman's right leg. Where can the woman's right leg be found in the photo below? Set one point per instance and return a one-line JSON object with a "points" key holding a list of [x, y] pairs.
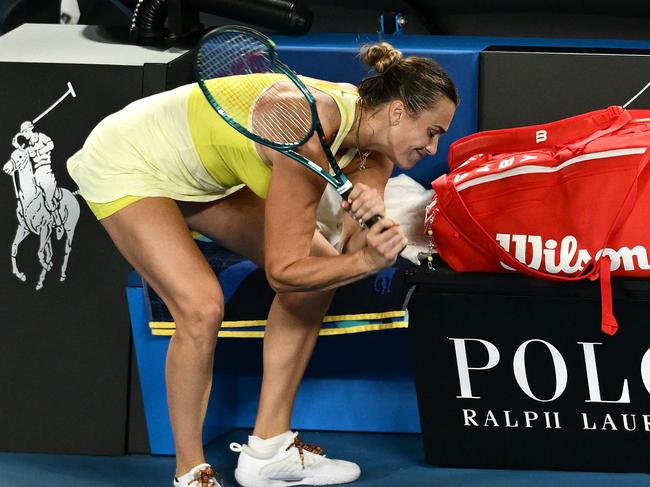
{"points": [[153, 236]]}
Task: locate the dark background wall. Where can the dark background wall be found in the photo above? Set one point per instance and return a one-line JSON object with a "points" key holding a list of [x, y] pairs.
{"points": [[624, 19]]}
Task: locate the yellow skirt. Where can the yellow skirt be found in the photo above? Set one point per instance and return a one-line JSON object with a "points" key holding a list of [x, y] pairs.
{"points": [[145, 149]]}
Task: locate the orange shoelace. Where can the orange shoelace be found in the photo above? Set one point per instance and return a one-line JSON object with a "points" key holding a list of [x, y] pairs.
{"points": [[301, 447], [205, 477]]}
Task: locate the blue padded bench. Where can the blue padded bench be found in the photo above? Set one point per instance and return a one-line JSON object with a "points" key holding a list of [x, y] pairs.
{"points": [[355, 381]]}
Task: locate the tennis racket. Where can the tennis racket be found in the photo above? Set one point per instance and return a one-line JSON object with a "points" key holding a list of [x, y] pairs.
{"points": [[284, 115]]}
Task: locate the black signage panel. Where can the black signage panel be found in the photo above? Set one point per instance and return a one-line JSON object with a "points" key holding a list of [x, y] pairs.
{"points": [[527, 86], [513, 372], [66, 347]]}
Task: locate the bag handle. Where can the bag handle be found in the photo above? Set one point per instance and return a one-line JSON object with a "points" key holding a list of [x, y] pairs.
{"points": [[617, 124], [582, 128]]}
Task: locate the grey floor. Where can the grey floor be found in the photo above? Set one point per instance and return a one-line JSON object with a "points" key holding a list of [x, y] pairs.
{"points": [[386, 459]]}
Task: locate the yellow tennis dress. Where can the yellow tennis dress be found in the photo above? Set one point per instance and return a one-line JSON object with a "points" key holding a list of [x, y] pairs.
{"points": [[175, 145]]}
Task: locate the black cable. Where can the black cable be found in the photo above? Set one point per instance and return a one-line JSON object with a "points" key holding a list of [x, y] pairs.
{"points": [[289, 16], [147, 22]]}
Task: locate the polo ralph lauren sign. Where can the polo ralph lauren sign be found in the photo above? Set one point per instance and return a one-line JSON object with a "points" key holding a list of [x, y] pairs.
{"points": [[512, 373], [549, 419]]}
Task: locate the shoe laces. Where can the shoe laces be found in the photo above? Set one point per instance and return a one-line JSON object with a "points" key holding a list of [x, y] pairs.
{"points": [[301, 446], [206, 477]]}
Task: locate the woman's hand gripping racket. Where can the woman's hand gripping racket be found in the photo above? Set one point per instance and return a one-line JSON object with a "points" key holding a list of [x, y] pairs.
{"points": [[283, 117]]}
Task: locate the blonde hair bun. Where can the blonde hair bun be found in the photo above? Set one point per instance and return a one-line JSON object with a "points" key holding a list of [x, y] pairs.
{"points": [[381, 57]]}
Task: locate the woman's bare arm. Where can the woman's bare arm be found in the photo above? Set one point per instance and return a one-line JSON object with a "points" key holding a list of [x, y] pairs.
{"points": [[290, 223]]}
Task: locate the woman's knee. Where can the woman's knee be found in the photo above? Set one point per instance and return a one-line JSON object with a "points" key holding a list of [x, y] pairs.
{"points": [[199, 320], [307, 304]]}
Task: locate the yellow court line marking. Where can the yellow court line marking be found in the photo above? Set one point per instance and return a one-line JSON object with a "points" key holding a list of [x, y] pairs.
{"points": [[363, 328], [366, 316], [323, 332], [326, 319]]}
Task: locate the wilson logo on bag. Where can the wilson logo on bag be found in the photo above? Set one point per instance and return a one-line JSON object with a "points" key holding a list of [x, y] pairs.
{"points": [[567, 257], [567, 200]]}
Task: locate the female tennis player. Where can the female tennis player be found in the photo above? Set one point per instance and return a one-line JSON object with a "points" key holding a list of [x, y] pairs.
{"points": [[167, 164]]}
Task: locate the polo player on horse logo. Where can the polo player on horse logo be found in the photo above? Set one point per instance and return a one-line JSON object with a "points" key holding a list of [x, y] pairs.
{"points": [[42, 205]]}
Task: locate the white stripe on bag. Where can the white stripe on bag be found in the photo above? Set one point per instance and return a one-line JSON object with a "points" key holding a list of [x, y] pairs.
{"points": [[518, 171]]}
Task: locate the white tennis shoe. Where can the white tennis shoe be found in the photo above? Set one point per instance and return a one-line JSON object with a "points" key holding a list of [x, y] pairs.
{"points": [[200, 476], [294, 463]]}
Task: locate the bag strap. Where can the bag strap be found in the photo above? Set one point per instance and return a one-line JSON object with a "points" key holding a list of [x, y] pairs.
{"points": [[464, 223], [608, 323], [582, 128], [473, 232]]}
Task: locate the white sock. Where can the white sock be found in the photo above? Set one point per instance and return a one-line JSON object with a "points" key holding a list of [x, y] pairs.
{"points": [[269, 447], [190, 475]]}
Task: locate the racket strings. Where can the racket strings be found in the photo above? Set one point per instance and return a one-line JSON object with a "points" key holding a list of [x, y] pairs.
{"points": [[232, 53], [261, 98], [282, 114]]}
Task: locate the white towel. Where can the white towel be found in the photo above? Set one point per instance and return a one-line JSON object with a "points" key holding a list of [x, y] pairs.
{"points": [[405, 200]]}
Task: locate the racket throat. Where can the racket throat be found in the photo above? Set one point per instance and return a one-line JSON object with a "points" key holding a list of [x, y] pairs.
{"points": [[345, 189]]}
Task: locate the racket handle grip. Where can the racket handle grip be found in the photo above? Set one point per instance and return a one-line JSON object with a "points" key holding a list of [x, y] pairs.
{"points": [[372, 220], [346, 195]]}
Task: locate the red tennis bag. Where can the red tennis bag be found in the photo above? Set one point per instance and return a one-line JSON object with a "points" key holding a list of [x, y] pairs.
{"points": [[566, 200]]}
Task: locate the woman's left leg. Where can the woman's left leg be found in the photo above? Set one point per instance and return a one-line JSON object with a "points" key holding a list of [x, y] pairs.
{"points": [[291, 333], [294, 319]]}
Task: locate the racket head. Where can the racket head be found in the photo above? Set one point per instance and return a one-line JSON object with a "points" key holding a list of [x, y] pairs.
{"points": [[283, 112]]}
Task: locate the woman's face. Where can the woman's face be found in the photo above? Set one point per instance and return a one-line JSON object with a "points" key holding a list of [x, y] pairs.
{"points": [[413, 137]]}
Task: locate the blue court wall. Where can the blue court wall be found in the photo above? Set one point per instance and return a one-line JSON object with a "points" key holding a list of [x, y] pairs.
{"points": [[334, 57]]}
